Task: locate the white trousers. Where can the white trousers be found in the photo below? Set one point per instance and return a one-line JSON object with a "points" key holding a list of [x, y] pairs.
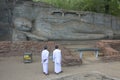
{"points": [[45, 68], [57, 67]]}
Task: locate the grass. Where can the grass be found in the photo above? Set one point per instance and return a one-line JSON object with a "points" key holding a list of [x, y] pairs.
{"points": [[65, 4], [85, 5]]}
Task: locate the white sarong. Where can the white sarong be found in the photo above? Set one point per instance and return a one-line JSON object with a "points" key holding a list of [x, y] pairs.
{"points": [[44, 60], [57, 60]]}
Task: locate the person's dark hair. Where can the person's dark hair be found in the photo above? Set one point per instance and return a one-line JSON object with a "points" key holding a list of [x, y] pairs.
{"points": [[45, 47], [56, 47]]}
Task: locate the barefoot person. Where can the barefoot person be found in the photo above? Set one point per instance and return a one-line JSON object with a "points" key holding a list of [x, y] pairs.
{"points": [[57, 57], [44, 60]]}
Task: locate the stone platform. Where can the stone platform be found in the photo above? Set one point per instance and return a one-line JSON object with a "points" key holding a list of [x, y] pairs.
{"points": [[18, 48], [110, 49]]}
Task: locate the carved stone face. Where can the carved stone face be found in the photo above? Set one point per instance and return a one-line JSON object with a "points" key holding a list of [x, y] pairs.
{"points": [[22, 24]]}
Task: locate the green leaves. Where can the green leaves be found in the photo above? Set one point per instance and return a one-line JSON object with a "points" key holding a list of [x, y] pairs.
{"points": [[100, 6]]}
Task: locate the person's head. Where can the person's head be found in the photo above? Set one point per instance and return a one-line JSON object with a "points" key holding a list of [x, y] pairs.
{"points": [[56, 47], [45, 47]]}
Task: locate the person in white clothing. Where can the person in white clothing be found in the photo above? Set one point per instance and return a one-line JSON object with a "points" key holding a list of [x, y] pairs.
{"points": [[44, 60], [57, 57]]}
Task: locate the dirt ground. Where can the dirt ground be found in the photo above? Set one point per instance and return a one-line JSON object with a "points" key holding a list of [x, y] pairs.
{"points": [[13, 68]]}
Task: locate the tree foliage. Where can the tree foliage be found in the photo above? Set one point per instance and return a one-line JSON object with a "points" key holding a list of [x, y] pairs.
{"points": [[100, 6]]}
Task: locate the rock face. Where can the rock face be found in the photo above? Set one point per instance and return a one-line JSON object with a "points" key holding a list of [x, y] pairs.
{"points": [[6, 13], [5, 32], [22, 24], [40, 21], [49, 23]]}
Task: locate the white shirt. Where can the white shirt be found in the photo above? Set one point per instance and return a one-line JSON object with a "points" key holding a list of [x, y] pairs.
{"points": [[57, 56], [44, 56]]}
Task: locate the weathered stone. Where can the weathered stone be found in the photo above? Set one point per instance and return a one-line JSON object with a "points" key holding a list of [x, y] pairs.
{"points": [[45, 21], [18, 48], [56, 24], [22, 24], [5, 32], [110, 49], [18, 36]]}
